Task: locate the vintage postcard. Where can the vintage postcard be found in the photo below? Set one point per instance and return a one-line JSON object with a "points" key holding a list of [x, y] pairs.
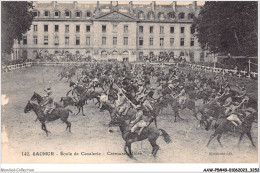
{"points": [[129, 82]]}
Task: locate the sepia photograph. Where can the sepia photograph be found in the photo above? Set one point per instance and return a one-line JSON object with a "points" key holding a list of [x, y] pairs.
{"points": [[129, 82]]}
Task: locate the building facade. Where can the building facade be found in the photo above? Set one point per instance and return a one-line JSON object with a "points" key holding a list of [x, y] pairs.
{"points": [[111, 31]]}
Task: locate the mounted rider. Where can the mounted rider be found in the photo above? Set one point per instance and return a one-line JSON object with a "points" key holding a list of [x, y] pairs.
{"points": [[122, 103], [141, 120], [48, 102], [74, 92]]}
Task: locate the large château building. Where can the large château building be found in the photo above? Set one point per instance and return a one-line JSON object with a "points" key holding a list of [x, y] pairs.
{"points": [[112, 31]]}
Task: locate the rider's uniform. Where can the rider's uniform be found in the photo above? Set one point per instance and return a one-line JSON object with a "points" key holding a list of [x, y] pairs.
{"points": [[48, 102], [140, 121], [122, 104]]}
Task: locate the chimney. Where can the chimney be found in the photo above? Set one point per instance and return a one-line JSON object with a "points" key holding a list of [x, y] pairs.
{"points": [[131, 6], [97, 4], [174, 5], [54, 4], [194, 5], [75, 3], [153, 5]]}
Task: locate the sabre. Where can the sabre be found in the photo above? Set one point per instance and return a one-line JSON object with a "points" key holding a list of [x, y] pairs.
{"points": [[125, 96]]}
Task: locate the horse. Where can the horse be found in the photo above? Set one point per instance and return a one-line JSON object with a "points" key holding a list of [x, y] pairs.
{"points": [[40, 99], [150, 133], [57, 113], [227, 125]]}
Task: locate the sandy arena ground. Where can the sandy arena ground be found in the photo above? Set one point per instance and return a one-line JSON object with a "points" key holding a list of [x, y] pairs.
{"points": [[20, 132]]}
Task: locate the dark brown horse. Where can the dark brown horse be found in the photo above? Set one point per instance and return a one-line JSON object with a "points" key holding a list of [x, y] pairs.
{"points": [[150, 133], [58, 113], [226, 126]]}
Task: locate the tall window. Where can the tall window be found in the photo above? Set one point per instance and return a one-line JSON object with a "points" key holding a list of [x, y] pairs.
{"points": [[171, 29], [125, 28], [56, 40], [192, 30], [45, 28], [161, 41], [182, 30], [67, 13], [46, 13], [151, 29], [87, 41], [161, 29], [24, 40], [88, 28], [141, 29], [35, 13], [35, 40], [125, 40], [88, 14], [104, 40], [56, 14], [104, 28], [78, 14], [151, 41], [56, 28], [182, 42], [67, 28], [77, 28], [141, 41], [171, 41], [191, 41], [45, 41], [77, 41], [114, 27], [114, 41], [35, 28], [181, 15], [67, 40]]}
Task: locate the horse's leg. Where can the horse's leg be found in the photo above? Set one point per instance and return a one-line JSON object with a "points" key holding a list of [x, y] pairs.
{"points": [[240, 138], [82, 111], [250, 137], [78, 111], [125, 149], [211, 137], [218, 138], [130, 150], [45, 129], [36, 119], [155, 146], [68, 125], [155, 122]]}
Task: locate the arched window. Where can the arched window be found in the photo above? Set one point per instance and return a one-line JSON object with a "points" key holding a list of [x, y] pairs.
{"points": [[161, 15], [181, 15], [141, 15], [151, 15], [171, 15], [103, 54], [67, 52], [88, 14], [78, 13], [114, 52], [46, 13], [67, 13], [35, 13], [182, 54], [191, 16], [56, 13]]}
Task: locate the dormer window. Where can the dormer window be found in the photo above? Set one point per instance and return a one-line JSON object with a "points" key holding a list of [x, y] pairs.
{"points": [[67, 13], [171, 15], [46, 14], [141, 15], [88, 14], [181, 15], [56, 13], [36, 13], [151, 15], [191, 16], [161, 16], [78, 13]]}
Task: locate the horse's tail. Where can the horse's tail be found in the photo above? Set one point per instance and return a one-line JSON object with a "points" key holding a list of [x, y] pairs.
{"points": [[166, 136]]}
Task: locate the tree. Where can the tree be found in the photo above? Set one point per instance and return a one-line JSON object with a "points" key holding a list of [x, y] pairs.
{"points": [[228, 27], [16, 20]]}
